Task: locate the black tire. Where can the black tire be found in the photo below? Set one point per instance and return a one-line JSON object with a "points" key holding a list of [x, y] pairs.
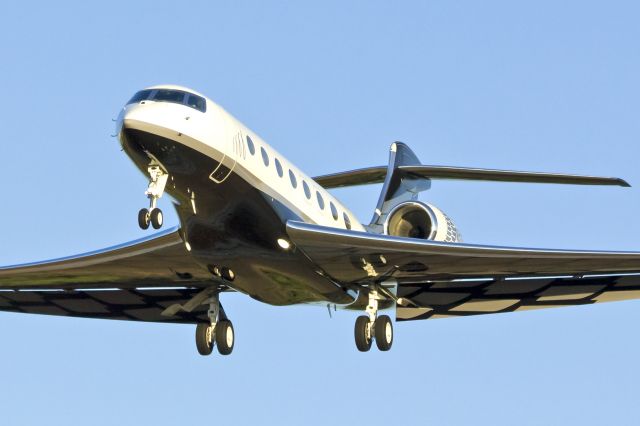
{"points": [[156, 218], [384, 332], [363, 338], [143, 218], [225, 337], [204, 339]]}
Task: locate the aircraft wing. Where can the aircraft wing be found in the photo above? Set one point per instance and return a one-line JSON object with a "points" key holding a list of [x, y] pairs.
{"points": [[135, 281], [438, 279]]}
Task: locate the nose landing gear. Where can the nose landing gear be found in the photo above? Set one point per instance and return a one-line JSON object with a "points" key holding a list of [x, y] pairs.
{"points": [[153, 218], [157, 181]]}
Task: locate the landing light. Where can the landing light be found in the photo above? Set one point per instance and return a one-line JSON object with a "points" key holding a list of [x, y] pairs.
{"points": [[284, 243]]}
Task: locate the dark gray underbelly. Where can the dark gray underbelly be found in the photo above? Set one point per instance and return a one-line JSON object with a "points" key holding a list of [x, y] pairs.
{"points": [[235, 226]]}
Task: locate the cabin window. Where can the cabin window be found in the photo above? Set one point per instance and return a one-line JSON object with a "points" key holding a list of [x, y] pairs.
{"points": [[307, 191], [279, 167], [347, 221], [252, 147], [320, 200], [265, 156], [334, 211], [294, 181]]}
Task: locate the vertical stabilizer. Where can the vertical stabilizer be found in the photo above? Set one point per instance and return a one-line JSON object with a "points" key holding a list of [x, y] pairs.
{"points": [[398, 185]]}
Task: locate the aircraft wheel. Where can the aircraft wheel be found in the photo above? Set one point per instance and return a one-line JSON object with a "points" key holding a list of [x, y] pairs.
{"points": [[384, 332], [362, 333], [204, 338], [143, 218], [156, 218], [225, 338]]}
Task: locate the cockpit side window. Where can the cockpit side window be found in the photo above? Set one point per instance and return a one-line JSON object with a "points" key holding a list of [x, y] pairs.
{"points": [[142, 95], [197, 102]]}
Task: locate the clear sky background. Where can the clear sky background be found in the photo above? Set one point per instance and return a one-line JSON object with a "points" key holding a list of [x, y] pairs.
{"points": [[540, 85]]}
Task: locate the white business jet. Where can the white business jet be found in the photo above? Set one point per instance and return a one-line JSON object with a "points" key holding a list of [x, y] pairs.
{"points": [[252, 222]]}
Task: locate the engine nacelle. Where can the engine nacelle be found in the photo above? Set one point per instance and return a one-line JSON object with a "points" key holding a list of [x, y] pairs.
{"points": [[414, 219]]}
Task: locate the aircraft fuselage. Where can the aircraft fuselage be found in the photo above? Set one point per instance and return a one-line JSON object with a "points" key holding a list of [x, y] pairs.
{"points": [[233, 196]]}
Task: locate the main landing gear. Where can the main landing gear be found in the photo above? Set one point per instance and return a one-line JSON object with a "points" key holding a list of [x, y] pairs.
{"points": [[371, 326], [153, 215], [218, 332]]}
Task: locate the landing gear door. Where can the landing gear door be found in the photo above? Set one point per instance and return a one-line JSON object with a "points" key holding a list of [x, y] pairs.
{"points": [[228, 162]]}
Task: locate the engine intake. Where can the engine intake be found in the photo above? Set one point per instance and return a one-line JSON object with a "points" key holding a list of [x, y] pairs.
{"points": [[414, 219]]}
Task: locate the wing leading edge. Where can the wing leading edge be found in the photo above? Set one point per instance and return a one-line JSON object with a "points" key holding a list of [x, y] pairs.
{"points": [[443, 279], [137, 281], [159, 260], [342, 253]]}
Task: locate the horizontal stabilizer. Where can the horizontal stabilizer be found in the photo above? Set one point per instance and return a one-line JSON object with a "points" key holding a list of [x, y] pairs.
{"points": [[372, 175]]}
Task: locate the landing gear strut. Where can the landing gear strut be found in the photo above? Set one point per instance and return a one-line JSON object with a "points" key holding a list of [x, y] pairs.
{"points": [[157, 182], [218, 332], [371, 326]]}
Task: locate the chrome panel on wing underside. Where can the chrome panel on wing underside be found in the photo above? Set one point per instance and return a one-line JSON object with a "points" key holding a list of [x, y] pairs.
{"points": [[145, 304], [159, 260], [438, 299], [349, 256]]}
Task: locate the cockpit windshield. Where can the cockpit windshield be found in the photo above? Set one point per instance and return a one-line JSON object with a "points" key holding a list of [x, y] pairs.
{"points": [[140, 96], [164, 95], [170, 95]]}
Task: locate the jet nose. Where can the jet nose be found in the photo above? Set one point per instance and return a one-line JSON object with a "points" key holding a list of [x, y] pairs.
{"points": [[129, 113], [142, 114]]}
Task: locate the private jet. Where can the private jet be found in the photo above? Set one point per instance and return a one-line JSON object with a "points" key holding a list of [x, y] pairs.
{"points": [[251, 222]]}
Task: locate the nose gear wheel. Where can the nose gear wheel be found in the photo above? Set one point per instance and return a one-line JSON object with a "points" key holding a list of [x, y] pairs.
{"points": [[157, 181], [143, 218]]}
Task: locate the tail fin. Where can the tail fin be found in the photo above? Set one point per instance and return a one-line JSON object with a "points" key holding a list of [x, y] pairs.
{"points": [[399, 186], [404, 177]]}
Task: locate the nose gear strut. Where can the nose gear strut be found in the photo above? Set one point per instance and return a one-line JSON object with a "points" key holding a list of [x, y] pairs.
{"points": [[157, 182]]}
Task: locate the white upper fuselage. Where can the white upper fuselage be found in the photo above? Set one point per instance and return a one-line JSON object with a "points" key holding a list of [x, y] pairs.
{"points": [[220, 136]]}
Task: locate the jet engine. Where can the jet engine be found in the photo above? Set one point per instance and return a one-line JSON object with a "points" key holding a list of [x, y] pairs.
{"points": [[414, 219]]}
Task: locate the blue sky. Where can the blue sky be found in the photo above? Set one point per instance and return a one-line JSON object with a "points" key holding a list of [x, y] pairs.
{"points": [[548, 86]]}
